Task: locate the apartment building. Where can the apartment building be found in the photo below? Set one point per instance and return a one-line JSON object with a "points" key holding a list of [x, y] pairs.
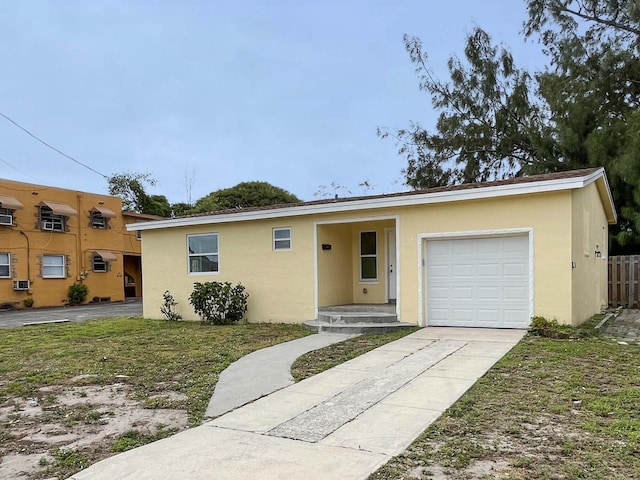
{"points": [[51, 238]]}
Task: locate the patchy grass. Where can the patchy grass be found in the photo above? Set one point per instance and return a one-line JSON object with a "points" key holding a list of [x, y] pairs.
{"points": [[550, 409], [159, 364], [323, 359]]}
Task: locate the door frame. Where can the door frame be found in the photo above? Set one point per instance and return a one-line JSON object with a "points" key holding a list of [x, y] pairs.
{"points": [[391, 261], [423, 238]]}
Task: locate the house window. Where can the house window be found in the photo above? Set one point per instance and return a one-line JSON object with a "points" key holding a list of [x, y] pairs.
{"points": [[6, 217], [98, 221], [5, 265], [98, 264], [282, 238], [51, 221], [368, 256], [53, 266], [203, 253]]}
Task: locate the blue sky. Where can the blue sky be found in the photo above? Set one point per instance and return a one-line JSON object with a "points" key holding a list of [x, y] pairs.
{"points": [[206, 94]]}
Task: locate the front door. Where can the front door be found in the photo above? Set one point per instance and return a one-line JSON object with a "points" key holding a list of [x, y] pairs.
{"points": [[391, 264]]}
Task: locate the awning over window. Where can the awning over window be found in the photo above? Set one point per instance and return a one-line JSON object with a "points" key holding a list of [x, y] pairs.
{"points": [[105, 255], [12, 203], [60, 209], [105, 212]]}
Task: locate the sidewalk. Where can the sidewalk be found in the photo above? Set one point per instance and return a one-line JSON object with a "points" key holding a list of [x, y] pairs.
{"points": [[343, 423]]}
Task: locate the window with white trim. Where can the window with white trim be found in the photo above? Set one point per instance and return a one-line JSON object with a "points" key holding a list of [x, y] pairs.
{"points": [[202, 253], [99, 264], [5, 265], [98, 220], [282, 238], [368, 256], [53, 266]]}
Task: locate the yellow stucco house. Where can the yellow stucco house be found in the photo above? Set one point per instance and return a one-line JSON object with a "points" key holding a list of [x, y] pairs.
{"points": [[52, 237], [489, 254]]}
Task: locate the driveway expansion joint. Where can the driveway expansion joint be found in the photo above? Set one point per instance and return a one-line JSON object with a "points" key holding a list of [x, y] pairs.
{"points": [[325, 418]]}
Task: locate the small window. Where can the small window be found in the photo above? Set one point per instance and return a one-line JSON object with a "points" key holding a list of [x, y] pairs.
{"points": [[282, 238], [203, 253], [51, 221], [98, 221], [6, 217], [53, 266], [99, 264], [368, 256], [5, 265]]}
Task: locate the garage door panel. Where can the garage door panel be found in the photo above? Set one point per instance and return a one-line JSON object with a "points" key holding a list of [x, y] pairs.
{"points": [[478, 282]]}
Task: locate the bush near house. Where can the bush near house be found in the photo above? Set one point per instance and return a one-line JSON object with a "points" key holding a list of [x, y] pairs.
{"points": [[219, 303], [77, 293]]}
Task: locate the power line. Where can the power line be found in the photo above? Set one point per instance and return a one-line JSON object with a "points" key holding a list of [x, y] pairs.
{"points": [[17, 169], [50, 146]]}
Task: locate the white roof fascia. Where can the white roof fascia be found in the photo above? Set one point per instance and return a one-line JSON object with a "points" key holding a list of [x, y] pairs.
{"points": [[376, 202]]}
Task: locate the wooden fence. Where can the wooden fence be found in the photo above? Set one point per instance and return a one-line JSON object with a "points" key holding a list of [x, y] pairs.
{"points": [[624, 281]]}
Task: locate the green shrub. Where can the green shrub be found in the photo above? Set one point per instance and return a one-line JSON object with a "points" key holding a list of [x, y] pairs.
{"points": [[77, 293], [550, 328], [219, 303], [28, 302], [168, 308]]}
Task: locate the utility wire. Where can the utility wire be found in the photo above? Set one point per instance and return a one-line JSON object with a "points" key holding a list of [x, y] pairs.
{"points": [[17, 169], [50, 146]]}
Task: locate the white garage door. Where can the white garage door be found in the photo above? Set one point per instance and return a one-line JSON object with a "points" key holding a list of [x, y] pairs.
{"points": [[478, 282]]}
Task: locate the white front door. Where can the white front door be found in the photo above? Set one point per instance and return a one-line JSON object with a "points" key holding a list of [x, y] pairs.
{"points": [[391, 265]]}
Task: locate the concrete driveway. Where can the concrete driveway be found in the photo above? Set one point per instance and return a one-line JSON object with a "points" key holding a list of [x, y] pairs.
{"points": [[79, 313]]}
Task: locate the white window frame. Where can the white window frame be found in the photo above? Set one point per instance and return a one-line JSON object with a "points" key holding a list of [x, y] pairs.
{"points": [[281, 240], [7, 264], [62, 266], [55, 222], [98, 221], [97, 260], [190, 255], [368, 255]]}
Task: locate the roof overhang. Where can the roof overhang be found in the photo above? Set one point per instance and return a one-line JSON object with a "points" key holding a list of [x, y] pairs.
{"points": [[60, 209], [104, 211], [400, 200], [12, 203], [106, 255]]}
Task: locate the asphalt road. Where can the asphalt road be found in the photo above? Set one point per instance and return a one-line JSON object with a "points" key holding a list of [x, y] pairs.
{"points": [[17, 318]]}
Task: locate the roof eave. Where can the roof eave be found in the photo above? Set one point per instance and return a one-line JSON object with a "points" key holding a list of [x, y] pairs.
{"points": [[386, 202]]}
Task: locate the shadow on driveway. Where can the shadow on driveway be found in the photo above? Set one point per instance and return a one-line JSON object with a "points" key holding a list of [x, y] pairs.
{"points": [[78, 313]]}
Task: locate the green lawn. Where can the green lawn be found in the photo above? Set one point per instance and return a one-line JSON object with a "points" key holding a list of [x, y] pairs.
{"points": [[550, 409], [151, 357]]}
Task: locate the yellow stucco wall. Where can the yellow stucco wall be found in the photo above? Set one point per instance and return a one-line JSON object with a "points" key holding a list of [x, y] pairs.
{"points": [[589, 234], [282, 284], [26, 243]]}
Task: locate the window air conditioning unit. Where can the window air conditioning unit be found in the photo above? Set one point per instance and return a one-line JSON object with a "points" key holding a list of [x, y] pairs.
{"points": [[47, 225], [21, 285], [6, 220]]}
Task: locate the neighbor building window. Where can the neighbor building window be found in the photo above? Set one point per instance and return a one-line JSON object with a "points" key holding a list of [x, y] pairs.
{"points": [[203, 253], [98, 264], [282, 238], [53, 266], [368, 256], [5, 265]]}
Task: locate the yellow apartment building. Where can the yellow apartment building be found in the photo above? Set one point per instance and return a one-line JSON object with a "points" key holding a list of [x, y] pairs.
{"points": [[51, 238]]}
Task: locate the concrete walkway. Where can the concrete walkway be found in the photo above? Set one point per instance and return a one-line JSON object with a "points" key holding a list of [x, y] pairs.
{"points": [[263, 372], [342, 423]]}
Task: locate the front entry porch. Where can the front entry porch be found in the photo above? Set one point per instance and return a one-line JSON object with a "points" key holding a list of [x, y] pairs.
{"points": [[357, 319]]}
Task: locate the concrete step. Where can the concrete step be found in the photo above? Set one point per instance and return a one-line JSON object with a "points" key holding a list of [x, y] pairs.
{"points": [[361, 307], [356, 328], [337, 317]]}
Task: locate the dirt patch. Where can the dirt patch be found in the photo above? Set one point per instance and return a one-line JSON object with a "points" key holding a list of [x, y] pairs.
{"points": [[84, 418]]}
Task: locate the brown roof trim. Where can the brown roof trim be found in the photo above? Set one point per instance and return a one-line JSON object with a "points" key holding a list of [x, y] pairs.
{"points": [[60, 208], [449, 188], [105, 212], [12, 203], [106, 255]]}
